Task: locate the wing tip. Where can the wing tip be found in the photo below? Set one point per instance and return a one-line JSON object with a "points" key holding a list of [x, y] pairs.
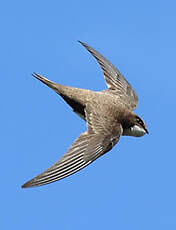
{"points": [[84, 44], [27, 184], [80, 41], [30, 183]]}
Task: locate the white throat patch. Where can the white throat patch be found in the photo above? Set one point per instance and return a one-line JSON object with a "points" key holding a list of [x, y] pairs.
{"points": [[135, 131]]}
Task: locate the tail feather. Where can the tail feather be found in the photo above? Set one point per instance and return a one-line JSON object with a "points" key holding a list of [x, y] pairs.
{"points": [[74, 97], [47, 82]]}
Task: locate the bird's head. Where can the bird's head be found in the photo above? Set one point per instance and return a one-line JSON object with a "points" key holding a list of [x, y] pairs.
{"points": [[137, 127]]}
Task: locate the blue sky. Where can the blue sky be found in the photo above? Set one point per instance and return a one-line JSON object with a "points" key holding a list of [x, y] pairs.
{"points": [[131, 187]]}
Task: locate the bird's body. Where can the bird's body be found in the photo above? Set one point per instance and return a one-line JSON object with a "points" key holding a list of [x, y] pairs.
{"points": [[108, 115]]}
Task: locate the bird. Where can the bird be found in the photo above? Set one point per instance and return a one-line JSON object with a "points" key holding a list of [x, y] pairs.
{"points": [[108, 115]]}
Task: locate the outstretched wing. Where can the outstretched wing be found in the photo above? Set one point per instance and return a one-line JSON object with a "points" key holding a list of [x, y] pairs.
{"points": [[116, 83], [70, 163], [99, 139]]}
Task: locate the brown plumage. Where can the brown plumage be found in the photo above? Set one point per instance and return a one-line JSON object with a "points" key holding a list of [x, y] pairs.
{"points": [[108, 115]]}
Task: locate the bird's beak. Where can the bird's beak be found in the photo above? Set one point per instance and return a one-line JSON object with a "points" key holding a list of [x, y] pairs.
{"points": [[146, 131]]}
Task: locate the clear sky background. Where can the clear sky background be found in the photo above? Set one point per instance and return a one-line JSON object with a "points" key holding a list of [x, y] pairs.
{"points": [[134, 185]]}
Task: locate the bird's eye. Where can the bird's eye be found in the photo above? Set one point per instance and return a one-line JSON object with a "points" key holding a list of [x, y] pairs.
{"points": [[139, 120]]}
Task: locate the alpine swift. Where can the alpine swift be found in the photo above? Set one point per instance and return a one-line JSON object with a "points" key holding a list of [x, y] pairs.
{"points": [[108, 115]]}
